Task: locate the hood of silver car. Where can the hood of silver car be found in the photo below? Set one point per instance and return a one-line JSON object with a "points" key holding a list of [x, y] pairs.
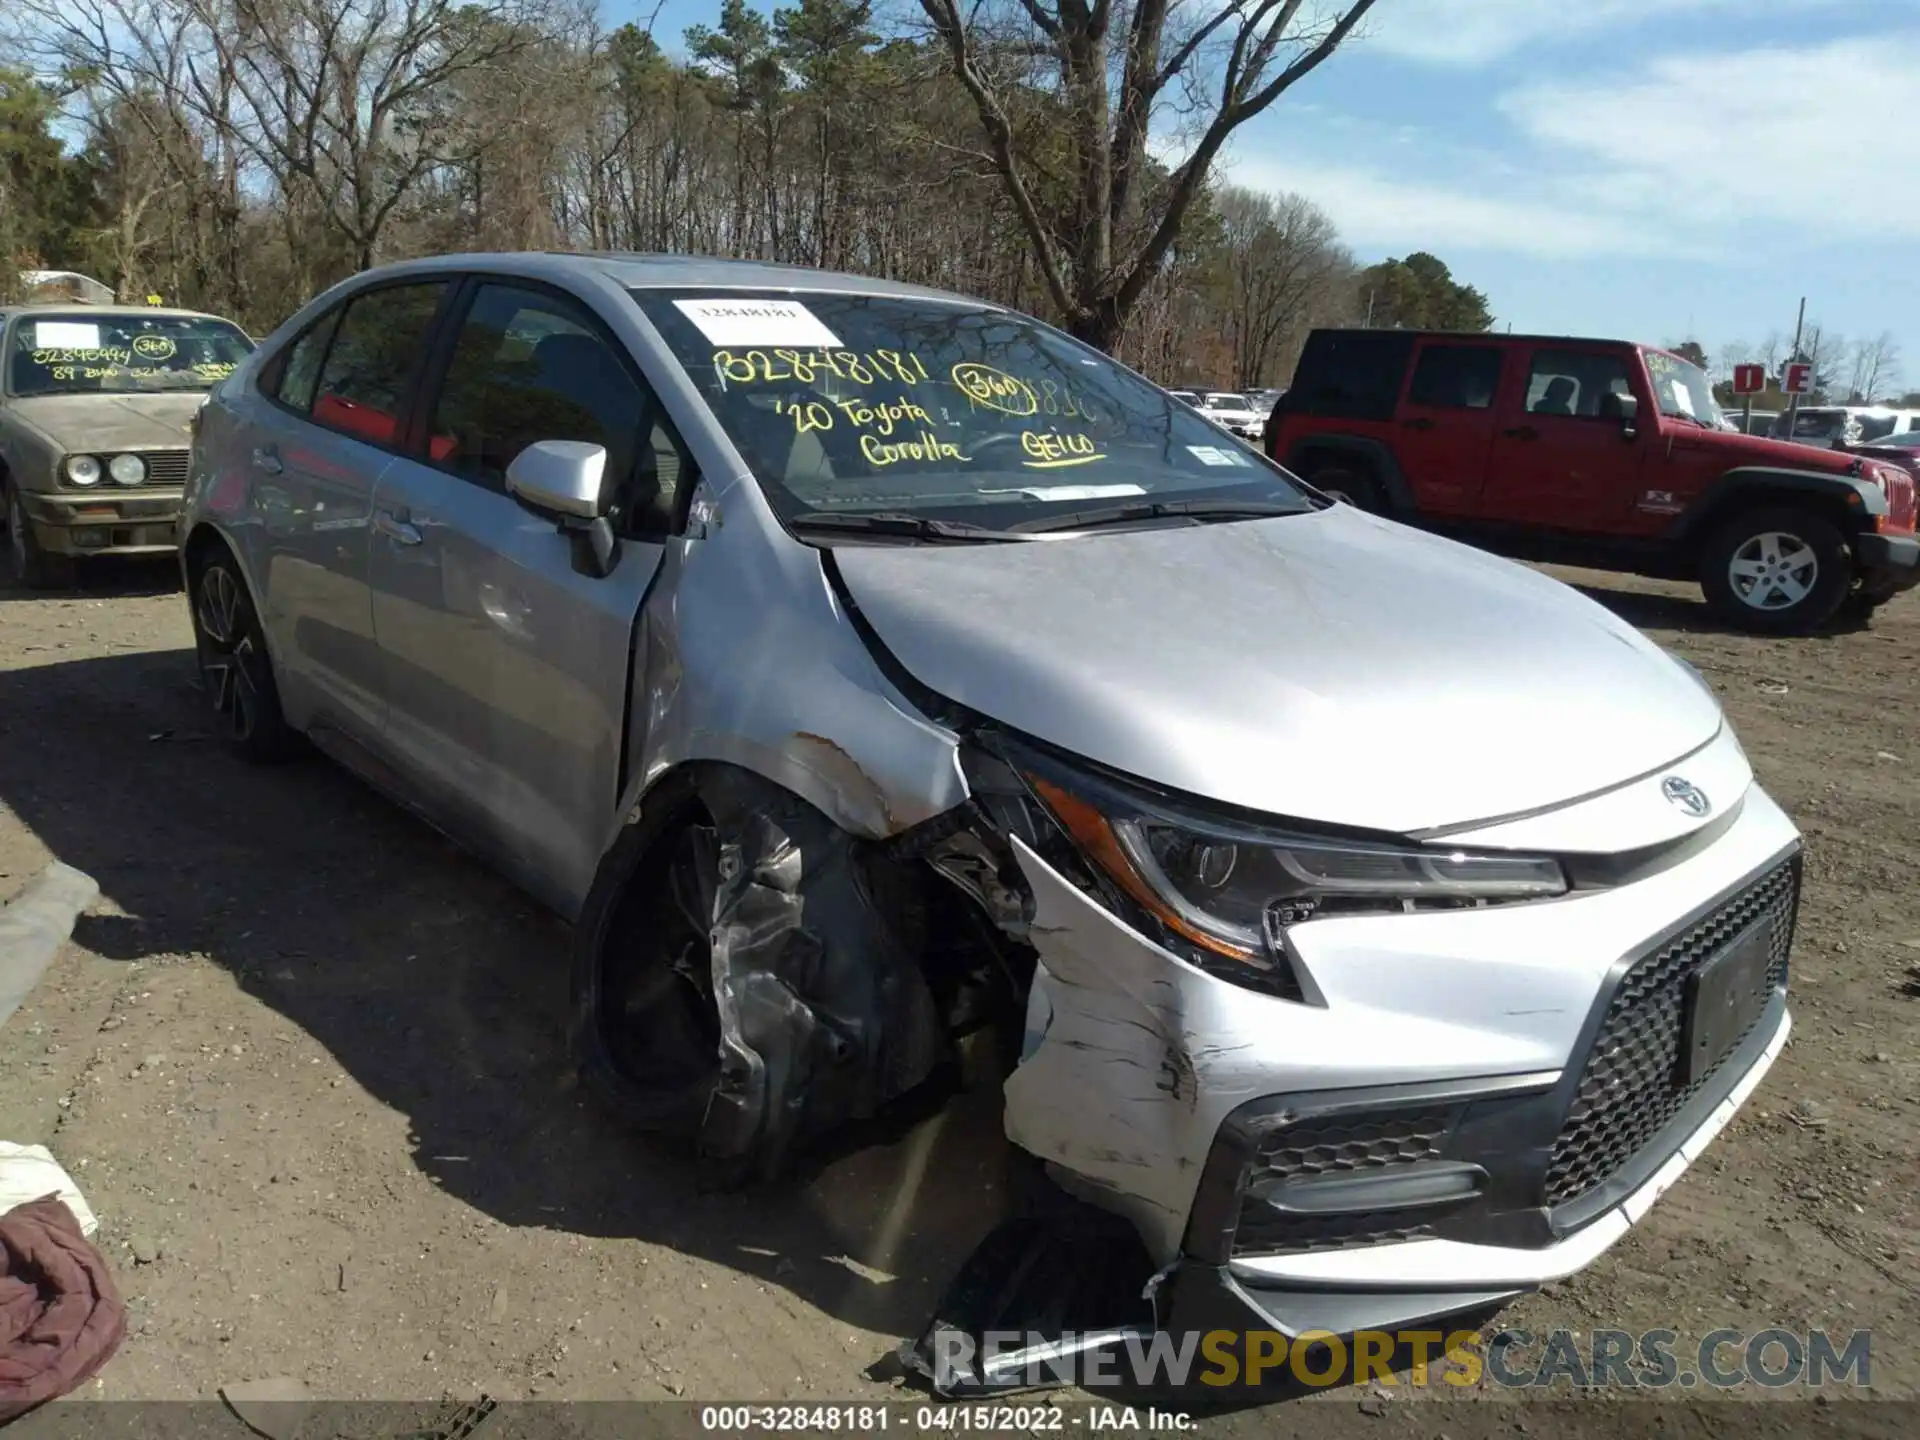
{"points": [[1329, 666], [96, 424]]}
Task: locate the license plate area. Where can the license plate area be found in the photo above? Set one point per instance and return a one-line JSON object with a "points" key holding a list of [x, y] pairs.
{"points": [[1724, 997]]}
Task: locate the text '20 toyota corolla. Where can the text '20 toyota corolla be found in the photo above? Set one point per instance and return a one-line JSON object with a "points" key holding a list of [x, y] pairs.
{"points": [[1381, 926]]}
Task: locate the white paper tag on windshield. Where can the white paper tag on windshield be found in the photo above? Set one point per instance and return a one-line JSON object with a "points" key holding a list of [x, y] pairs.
{"points": [[1682, 398], [759, 322], [65, 335], [1214, 455]]}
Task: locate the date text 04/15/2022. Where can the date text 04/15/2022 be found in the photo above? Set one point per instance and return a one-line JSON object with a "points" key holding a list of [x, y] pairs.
{"points": [[939, 1419]]}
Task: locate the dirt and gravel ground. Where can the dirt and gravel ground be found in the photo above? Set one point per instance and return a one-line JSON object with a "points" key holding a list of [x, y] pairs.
{"points": [[305, 1060]]}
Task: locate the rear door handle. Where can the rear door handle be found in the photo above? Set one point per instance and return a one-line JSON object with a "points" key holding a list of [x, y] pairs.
{"points": [[395, 526], [1522, 432], [267, 461], [1421, 424]]}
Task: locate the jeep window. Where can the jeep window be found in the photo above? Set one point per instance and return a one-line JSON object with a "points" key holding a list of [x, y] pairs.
{"points": [[1682, 389], [868, 404], [1350, 374], [1575, 383], [1873, 427], [1817, 424], [56, 353], [1455, 377]]}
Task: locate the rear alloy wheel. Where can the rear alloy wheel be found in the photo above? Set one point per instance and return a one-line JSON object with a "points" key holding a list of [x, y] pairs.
{"points": [[1777, 572], [1357, 490], [234, 670], [33, 567]]}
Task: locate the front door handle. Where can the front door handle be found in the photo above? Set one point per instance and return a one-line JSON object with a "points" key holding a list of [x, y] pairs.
{"points": [[1421, 424], [267, 461], [1522, 432], [396, 528]]}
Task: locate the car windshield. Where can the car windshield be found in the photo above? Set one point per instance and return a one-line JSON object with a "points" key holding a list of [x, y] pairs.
{"points": [[82, 353], [851, 404], [1682, 389], [1218, 401], [1818, 424]]}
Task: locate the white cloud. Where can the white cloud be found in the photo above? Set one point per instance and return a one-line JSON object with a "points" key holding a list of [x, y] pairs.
{"points": [[1691, 156], [1799, 138], [1376, 212], [1475, 32]]}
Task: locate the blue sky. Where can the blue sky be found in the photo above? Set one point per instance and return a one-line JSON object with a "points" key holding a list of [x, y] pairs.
{"points": [[1651, 169]]}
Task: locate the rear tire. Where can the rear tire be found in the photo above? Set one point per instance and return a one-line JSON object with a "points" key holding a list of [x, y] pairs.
{"points": [[1358, 490], [1776, 571], [33, 567], [235, 672]]}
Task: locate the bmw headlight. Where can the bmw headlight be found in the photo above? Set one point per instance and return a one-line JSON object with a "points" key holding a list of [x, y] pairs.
{"points": [[1231, 890], [127, 469], [83, 470]]}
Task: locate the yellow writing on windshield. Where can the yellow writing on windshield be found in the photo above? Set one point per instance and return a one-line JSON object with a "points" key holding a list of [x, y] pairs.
{"points": [[995, 389], [809, 367], [1050, 450], [214, 370], [927, 446], [153, 347], [883, 415], [102, 355], [807, 415]]}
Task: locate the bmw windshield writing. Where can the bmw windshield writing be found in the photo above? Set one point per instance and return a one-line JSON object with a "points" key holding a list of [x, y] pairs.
{"points": [[81, 353], [915, 409]]}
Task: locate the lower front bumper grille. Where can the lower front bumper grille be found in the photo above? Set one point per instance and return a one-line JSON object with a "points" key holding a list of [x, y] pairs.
{"points": [[1331, 1147], [1632, 1084]]}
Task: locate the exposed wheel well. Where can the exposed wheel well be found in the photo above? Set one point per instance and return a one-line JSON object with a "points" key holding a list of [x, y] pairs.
{"points": [[202, 545]]}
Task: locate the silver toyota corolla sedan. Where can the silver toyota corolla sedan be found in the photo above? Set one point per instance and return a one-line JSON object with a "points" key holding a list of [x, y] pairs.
{"points": [[1383, 925]]}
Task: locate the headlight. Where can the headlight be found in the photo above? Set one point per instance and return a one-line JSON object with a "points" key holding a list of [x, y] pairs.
{"points": [[127, 469], [83, 470], [1232, 891]]}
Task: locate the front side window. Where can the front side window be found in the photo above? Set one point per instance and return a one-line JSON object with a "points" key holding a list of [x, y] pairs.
{"points": [[1682, 389], [864, 404], [1575, 383], [79, 353], [1455, 377], [370, 364]]}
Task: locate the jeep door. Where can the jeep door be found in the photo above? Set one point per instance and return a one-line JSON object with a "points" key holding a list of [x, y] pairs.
{"points": [[507, 659], [1562, 459], [1445, 422]]}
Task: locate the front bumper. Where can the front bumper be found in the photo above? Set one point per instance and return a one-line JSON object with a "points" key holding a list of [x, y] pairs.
{"points": [[1887, 564], [105, 522], [1464, 1054]]}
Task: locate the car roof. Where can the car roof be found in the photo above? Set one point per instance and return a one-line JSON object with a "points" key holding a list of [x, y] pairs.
{"points": [[638, 271], [81, 307]]}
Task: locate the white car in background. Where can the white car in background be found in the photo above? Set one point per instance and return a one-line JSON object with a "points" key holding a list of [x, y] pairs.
{"points": [[1835, 427], [1233, 412]]}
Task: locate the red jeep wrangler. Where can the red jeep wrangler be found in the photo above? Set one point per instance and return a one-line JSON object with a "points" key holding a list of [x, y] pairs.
{"points": [[1598, 453]]}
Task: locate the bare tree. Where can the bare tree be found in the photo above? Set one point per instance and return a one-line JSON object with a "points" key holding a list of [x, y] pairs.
{"points": [[1875, 368], [1099, 215], [1286, 272]]}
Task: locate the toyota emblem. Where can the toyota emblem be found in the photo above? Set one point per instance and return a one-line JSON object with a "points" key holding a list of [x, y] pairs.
{"points": [[1687, 795]]}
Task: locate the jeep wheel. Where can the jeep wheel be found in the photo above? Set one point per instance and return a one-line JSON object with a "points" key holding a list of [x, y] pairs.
{"points": [[33, 567], [231, 650], [1359, 491], [1777, 572]]}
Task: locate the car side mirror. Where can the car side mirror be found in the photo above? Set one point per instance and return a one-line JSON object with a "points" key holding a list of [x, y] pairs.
{"points": [[565, 479], [561, 476], [1627, 410]]}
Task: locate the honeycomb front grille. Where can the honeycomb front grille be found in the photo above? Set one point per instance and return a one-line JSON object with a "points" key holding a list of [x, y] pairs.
{"points": [[1631, 1086], [1335, 1146]]}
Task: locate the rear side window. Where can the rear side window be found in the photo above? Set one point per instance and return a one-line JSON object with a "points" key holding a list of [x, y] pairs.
{"points": [[300, 370], [1873, 427], [370, 365], [1350, 374], [1575, 383], [1456, 377]]}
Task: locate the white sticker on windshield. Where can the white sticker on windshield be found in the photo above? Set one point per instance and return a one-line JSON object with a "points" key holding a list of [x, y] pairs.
{"points": [[1214, 455], [1069, 492], [65, 335], [758, 322], [1682, 399]]}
